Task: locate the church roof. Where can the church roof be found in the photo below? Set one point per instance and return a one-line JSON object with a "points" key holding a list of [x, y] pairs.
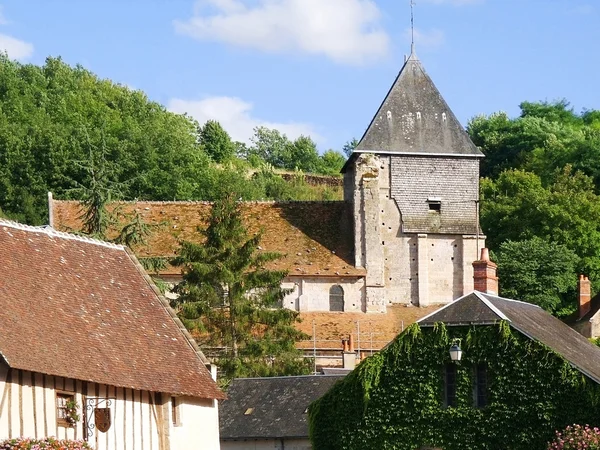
{"points": [[415, 119], [85, 309], [309, 235], [531, 320]]}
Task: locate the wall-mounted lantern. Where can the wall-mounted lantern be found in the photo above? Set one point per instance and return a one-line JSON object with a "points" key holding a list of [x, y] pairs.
{"points": [[455, 351]]}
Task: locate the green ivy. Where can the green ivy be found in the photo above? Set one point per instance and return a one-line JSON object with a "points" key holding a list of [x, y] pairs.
{"points": [[394, 399]]}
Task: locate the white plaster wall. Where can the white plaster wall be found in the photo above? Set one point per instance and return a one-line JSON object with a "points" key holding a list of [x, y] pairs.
{"points": [[312, 293], [199, 425], [272, 444]]}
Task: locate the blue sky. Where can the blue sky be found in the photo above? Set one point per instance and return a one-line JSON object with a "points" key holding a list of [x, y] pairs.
{"points": [[317, 67]]}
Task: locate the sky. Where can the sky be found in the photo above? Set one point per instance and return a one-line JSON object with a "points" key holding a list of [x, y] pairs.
{"points": [[317, 67]]}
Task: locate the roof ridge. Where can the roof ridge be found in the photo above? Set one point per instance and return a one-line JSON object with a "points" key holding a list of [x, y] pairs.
{"points": [[289, 376], [494, 308], [48, 230], [512, 300]]}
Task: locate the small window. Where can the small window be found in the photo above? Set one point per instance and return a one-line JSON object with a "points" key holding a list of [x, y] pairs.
{"points": [[450, 385], [336, 298], [175, 412], [480, 388], [65, 409], [435, 205]]}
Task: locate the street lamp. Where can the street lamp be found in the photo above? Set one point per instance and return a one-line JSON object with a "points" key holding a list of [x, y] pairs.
{"points": [[455, 352]]}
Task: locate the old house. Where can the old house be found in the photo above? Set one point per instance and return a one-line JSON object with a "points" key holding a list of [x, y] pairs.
{"points": [[406, 232], [89, 349], [482, 372]]}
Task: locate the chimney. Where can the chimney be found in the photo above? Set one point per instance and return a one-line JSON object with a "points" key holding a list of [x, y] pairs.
{"points": [[349, 355], [584, 295], [484, 274]]}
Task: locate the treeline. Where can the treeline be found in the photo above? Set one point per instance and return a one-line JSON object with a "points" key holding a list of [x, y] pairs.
{"points": [[62, 129], [540, 203]]}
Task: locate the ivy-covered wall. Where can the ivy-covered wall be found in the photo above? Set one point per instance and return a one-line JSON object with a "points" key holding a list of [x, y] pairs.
{"points": [[394, 399]]}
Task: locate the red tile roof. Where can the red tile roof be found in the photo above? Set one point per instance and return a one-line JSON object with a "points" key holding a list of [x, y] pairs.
{"points": [[308, 234], [84, 309]]}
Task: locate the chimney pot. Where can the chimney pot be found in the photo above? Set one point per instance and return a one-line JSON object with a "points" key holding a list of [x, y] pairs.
{"points": [[350, 343], [485, 254]]}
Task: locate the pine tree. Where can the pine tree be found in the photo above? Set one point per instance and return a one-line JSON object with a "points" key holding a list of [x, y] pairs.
{"points": [[233, 301]]}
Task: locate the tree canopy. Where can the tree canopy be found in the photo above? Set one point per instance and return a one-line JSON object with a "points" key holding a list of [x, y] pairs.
{"points": [[54, 116], [539, 191]]}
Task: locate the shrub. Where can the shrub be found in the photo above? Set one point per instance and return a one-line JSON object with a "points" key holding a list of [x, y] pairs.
{"points": [[576, 437], [43, 444]]}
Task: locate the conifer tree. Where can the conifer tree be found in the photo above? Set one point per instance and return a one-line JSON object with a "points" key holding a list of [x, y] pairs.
{"points": [[232, 299]]}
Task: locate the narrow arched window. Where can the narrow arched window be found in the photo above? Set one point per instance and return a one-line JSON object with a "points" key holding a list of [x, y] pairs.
{"points": [[336, 298]]}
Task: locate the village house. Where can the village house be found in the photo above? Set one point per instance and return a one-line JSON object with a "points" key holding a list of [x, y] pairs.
{"points": [[89, 349], [406, 232], [482, 372]]}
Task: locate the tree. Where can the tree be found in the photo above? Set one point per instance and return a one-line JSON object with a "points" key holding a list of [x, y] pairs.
{"points": [[332, 162], [216, 141], [349, 147], [232, 299], [539, 272]]}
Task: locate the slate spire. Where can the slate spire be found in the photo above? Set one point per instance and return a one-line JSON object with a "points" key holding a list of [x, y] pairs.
{"points": [[415, 119]]}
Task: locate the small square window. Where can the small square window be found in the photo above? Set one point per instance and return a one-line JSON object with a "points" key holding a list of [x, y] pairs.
{"points": [[65, 409], [434, 206]]}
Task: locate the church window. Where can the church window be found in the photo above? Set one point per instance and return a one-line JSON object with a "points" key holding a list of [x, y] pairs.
{"points": [[336, 298]]}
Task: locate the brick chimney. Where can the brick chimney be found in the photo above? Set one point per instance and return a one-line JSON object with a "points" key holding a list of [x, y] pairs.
{"points": [[484, 274], [584, 295], [348, 353]]}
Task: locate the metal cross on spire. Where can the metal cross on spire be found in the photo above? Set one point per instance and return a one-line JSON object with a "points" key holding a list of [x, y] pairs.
{"points": [[412, 26]]}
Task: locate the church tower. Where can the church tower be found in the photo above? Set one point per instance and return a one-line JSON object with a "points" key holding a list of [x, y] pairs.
{"points": [[413, 183]]}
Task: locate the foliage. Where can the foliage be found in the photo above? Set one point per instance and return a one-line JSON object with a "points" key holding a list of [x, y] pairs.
{"points": [[517, 206], [349, 147], [576, 437], [216, 141], [64, 130], [71, 410], [43, 444], [539, 272], [393, 400], [233, 300]]}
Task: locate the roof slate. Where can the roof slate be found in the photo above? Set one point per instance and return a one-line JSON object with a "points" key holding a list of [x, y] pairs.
{"points": [[84, 309], [531, 320], [415, 119], [279, 406], [310, 235]]}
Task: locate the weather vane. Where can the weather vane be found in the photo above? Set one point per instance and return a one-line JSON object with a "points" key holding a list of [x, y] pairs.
{"points": [[412, 26]]}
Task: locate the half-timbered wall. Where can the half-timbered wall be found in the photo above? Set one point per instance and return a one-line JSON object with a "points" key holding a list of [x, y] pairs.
{"points": [[28, 408]]}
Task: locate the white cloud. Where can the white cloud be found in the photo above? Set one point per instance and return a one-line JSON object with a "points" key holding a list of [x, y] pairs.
{"points": [[235, 115], [426, 39], [347, 31], [15, 48], [453, 2]]}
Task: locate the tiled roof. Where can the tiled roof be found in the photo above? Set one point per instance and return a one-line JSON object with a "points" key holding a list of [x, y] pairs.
{"points": [[415, 119], [376, 330], [531, 320], [271, 408], [84, 309], [308, 234]]}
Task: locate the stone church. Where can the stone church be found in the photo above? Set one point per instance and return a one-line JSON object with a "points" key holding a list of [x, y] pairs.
{"points": [[407, 231]]}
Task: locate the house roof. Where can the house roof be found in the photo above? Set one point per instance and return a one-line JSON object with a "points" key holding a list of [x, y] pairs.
{"points": [[308, 234], [531, 320], [415, 119], [271, 408], [85, 309]]}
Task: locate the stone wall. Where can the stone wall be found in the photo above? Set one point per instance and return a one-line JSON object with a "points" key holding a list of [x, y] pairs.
{"points": [[312, 293], [421, 268]]}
